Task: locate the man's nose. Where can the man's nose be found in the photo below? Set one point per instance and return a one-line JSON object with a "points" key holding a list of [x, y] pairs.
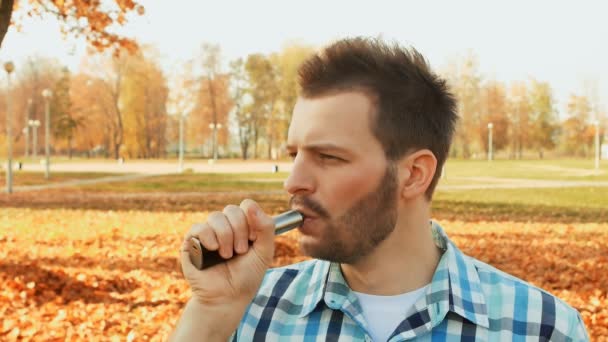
{"points": [[301, 179]]}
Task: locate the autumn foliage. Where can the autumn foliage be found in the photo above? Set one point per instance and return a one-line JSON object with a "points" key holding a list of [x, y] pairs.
{"points": [[91, 275], [91, 19]]}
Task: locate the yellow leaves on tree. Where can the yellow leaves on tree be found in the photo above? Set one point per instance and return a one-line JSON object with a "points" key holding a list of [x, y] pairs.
{"points": [[91, 19]]}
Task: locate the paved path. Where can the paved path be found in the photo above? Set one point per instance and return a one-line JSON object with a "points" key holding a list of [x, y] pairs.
{"points": [[518, 183], [143, 169], [161, 167], [76, 182]]}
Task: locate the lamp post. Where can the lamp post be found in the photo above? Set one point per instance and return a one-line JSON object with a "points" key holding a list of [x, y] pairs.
{"points": [[26, 130], [490, 147], [26, 134], [215, 127], [34, 124], [597, 144], [181, 143], [46, 93], [9, 67]]}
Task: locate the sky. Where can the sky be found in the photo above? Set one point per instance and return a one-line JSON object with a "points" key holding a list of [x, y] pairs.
{"points": [[564, 43]]}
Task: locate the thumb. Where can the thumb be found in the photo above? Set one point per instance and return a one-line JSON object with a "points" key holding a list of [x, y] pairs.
{"points": [[188, 268], [263, 226]]}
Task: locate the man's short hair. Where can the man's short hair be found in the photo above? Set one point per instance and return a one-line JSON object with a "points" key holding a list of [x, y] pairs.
{"points": [[414, 107]]}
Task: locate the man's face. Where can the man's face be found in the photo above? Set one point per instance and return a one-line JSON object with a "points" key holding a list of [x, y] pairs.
{"points": [[341, 179]]}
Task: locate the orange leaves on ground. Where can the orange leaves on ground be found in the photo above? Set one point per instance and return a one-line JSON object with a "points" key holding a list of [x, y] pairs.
{"points": [[104, 275]]}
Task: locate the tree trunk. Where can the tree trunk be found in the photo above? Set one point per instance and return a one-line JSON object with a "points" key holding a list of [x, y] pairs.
{"points": [[6, 11], [244, 142], [70, 147], [255, 143]]}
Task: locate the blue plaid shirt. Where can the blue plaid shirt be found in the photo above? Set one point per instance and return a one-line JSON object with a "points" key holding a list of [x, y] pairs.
{"points": [[467, 300]]}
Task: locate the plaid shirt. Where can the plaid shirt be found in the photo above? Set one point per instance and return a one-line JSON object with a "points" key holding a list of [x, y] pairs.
{"points": [[467, 300]]}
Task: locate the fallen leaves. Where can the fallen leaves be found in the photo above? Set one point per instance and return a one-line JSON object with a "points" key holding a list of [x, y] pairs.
{"points": [[107, 275]]}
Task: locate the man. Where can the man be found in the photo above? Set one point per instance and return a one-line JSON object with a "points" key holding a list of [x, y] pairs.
{"points": [[369, 134]]}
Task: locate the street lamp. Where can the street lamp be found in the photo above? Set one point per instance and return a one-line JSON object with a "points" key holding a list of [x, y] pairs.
{"points": [[34, 124], [26, 130], [215, 127], [46, 93], [9, 67], [182, 118], [490, 152], [597, 144]]}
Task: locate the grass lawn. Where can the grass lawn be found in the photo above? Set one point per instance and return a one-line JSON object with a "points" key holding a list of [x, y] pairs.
{"points": [[577, 204], [196, 182], [560, 169], [21, 178]]}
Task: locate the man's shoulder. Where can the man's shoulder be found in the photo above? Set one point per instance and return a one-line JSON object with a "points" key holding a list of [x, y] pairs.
{"points": [[510, 297]]}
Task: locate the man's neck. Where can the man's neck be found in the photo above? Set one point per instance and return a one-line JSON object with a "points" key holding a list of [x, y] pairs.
{"points": [[402, 263]]}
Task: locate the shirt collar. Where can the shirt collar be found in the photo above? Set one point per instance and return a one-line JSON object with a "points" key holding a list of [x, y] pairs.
{"points": [[455, 287]]}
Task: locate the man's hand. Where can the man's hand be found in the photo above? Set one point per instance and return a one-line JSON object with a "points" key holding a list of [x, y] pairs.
{"points": [[229, 232], [221, 293]]}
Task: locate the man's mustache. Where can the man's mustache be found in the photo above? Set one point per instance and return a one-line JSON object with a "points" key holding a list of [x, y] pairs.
{"points": [[309, 204]]}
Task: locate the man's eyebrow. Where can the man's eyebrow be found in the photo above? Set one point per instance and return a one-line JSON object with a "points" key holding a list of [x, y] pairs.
{"points": [[321, 147]]}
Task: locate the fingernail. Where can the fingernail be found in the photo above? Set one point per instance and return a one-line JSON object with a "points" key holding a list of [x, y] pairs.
{"points": [[258, 211], [226, 254], [242, 247]]}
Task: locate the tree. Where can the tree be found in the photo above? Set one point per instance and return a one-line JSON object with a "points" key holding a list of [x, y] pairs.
{"points": [[239, 96], [64, 121], [287, 62], [90, 103], [107, 74], [519, 108], [543, 117], [143, 98], [91, 19], [577, 134], [493, 110], [264, 91], [465, 81], [180, 103], [36, 74], [212, 104]]}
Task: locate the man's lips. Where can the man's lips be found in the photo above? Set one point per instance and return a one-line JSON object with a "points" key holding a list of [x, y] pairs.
{"points": [[308, 215]]}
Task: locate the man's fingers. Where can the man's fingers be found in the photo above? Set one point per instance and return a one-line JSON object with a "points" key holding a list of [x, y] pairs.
{"points": [[264, 227], [205, 234], [224, 233], [238, 222]]}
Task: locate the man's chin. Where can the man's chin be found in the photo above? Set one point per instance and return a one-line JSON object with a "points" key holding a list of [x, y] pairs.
{"points": [[318, 248], [312, 246]]}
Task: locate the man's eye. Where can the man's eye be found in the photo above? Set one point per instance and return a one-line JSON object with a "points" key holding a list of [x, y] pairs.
{"points": [[328, 157], [293, 155]]}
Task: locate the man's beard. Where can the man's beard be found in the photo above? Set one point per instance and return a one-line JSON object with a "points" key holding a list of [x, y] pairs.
{"points": [[355, 234]]}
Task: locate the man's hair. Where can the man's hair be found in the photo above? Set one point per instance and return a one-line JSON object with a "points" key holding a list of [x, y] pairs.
{"points": [[414, 108]]}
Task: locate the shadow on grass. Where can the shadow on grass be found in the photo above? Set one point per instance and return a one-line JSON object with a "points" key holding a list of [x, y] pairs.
{"points": [[157, 201], [276, 201], [55, 285]]}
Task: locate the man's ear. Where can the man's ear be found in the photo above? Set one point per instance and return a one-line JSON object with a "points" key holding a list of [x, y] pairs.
{"points": [[416, 171]]}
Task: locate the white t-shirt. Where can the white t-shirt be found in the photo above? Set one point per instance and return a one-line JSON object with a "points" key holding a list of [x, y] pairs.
{"points": [[384, 313]]}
